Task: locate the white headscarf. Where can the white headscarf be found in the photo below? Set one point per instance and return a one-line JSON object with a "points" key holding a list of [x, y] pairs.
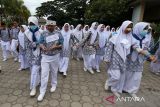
{"points": [[84, 30], [77, 32], [29, 34], [108, 33], [102, 36], [122, 42], [66, 36], [148, 37], [113, 29], [94, 32], [33, 19], [21, 36], [138, 28]]}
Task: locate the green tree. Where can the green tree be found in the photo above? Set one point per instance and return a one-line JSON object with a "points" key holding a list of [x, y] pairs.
{"points": [[64, 10], [111, 12], [15, 9]]}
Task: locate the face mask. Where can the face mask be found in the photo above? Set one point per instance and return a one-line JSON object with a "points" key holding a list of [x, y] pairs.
{"points": [[33, 27], [143, 33]]}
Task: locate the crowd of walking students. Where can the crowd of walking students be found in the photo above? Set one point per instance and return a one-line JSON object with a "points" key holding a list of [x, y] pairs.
{"points": [[48, 50]]}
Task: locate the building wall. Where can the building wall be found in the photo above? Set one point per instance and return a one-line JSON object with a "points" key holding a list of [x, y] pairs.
{"points": [[138, 12]]}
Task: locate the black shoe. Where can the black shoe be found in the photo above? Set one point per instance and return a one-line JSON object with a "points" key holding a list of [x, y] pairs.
{"points": [[124, 91]]}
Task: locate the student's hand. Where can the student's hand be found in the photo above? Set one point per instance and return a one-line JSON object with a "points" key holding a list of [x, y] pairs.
{"points": [[53, 47], [77, 45], [44, 48], [142, 52], [34, 44], [153, 58]]}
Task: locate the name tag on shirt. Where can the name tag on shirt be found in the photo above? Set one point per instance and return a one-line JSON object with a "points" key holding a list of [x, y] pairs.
{"points": [[52, 38]]}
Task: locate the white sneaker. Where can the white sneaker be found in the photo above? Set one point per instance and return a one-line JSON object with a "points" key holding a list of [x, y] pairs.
{"points": [[157, 73], [52, 89], [4, 59], [106, 87], [133, 95], [98, 70], [84, 69], [20, 69], [15, 59], [64, 73], [40, 97], [116, 94], [33, 92], [91, 71]]}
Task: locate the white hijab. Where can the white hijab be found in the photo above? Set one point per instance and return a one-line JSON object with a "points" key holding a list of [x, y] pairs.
{"points": [[94, 32], [28, 34], [138, 28], [84, 30], [113, 30], [122, 42], [108, 33], [33, 19], [148, 37], [66, 36], [21, 36], [102, 36], [78, 33]]}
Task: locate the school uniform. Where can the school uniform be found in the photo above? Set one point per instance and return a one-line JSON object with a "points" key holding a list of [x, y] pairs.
{"points": [[66, 50], [136, 60], [5, 43], [50, 60], [14, 43], [22, 50], [77, 51], [33, 54], [116, 55], [101, 46], [88, 46]]}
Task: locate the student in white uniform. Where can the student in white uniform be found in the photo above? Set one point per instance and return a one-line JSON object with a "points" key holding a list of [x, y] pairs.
{"points": [[139, 54], [88, 45], [85, 30], [66, 51], [14, 43], [22, 50], [116, 55], [108, 32], [51, 44], [100, 48], [5, 41], [78, 34], [72, 28], [42, 28], [32, 37]]}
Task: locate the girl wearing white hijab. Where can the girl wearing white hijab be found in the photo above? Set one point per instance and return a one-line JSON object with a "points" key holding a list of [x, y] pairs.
{"points": [[22, 50], [42, 28], [116, 55], [108, 32], [138, 56], [100, 49], [113, 31], [66, 51], [72, 28], [88, 44], [78, 34], [32, 37], [85, 30]]}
